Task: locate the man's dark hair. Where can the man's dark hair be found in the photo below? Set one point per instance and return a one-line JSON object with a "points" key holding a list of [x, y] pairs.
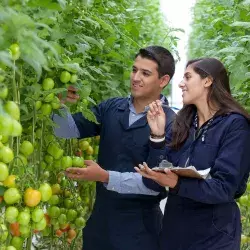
{"points": [[163, 58]]}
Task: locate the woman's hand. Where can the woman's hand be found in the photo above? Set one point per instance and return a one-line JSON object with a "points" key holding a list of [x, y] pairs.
{"points": [[92, 172], [156, 118], [166, 179]]}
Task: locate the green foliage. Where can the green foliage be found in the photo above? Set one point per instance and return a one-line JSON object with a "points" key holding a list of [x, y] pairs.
{"points": [[95, 39], [221, 29]]}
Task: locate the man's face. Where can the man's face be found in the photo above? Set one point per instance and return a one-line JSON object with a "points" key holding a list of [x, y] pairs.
{"points": [[144, 78]]}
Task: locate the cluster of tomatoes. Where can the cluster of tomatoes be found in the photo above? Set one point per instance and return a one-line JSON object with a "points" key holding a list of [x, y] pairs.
{"points": [[36, 199]]}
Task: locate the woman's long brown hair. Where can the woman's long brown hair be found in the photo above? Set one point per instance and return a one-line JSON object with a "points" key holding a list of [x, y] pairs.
{"points": [[219, 93]]}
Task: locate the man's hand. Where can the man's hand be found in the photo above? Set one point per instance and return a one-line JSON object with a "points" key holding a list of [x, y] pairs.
{"points": [[156, 118], [72, 96], [167, 179], [92, 172]]}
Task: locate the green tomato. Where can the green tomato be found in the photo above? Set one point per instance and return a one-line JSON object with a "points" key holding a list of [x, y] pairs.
{"points": [[38, 104], [4, 171], [54, 200], [37, 214], [65, 76], [77, 161], [11, 248], [54, 150], [3, 91], [26, 148], [243, 200], [46, 191], [46, 109], [71, 215], [21, 160], [12, 109], [62, 219], [49, 159], [23, 218], [6, 154], [54, 212], [25, 230], [68, 203], [3, 233], [73, 78], [48, 84], [83, 145], [11, 214], [41, 225], [66, 162], [56, 104], [49, 97], [4, 139], [17, 242], [80, 223], [11, 196], [15, 51], [16, 128], [6, 125]]}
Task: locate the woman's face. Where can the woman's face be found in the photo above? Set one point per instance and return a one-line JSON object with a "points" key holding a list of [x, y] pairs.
{"points": [[194, 88]]}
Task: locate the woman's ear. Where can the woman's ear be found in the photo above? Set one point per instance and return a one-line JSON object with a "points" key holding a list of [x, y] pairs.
{"points": [[208, 82], [164, 81]]}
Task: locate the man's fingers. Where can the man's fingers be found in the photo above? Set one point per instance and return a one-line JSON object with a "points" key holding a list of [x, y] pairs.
{"points": [[75, 176], [89, 162]]}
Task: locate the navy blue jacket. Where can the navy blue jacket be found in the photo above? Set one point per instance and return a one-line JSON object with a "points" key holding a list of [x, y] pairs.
{"points": [[119, 221], [202, 214]]}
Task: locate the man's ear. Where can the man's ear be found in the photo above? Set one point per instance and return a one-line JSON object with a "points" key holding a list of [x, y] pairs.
{"points": [[164, 81], [208, 82]]}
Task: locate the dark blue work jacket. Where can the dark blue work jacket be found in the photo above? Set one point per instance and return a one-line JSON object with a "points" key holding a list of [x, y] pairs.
{"points": [[202, 214], [118, 221]]}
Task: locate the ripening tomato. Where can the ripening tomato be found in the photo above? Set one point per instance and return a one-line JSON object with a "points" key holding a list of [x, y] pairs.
{"points": [[89, 150], [48, 84], [10, 181], [56, 188], [4, 171], [65, 76], [26, 148], [32, 197], [46, 191], [14, 229], [15, 51], [12, 109]]}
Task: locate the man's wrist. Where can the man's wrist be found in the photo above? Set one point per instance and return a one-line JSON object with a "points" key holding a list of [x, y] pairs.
{"points": [[105, 177]]}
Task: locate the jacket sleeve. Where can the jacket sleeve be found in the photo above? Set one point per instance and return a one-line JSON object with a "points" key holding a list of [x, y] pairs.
{"points": [[157, 154], [87, 128], [231, 167]]}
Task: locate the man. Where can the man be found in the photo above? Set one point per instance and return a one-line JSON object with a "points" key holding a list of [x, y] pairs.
{"points": [[119, 221]]}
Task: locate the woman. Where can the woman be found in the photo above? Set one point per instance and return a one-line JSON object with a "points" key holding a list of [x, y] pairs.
{"points": [[211, 131]]}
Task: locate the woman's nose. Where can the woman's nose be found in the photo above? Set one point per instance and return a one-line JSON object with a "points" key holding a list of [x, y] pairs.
{"points": [[181, 84]]}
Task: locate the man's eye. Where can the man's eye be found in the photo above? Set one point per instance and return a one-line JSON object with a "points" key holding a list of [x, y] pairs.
{"points": [[146, 74], [134, 70]]}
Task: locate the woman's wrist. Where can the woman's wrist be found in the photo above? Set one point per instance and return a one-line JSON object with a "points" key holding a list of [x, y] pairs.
{"points": [[157, 135]]}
